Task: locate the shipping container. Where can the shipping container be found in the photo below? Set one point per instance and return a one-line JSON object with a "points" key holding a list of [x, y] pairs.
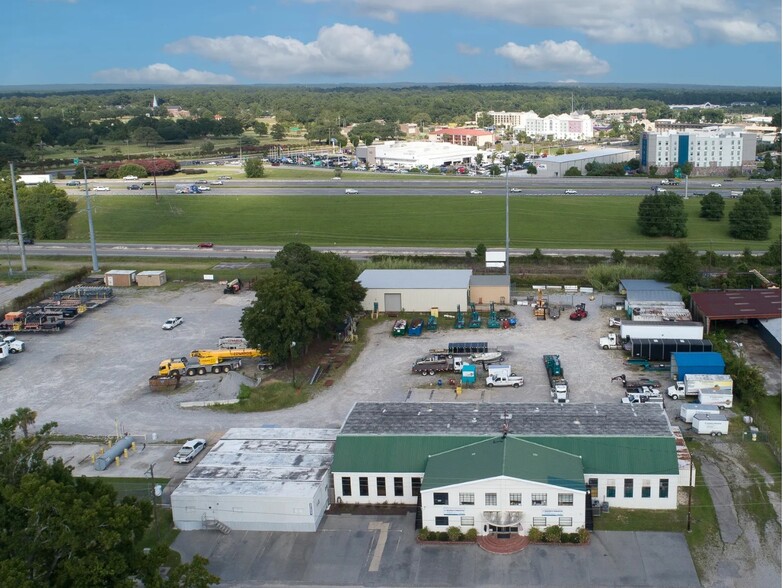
{"points": [[662, 349]]}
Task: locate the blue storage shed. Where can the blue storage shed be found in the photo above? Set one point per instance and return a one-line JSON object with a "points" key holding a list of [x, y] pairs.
{"points": [[696, 362]]}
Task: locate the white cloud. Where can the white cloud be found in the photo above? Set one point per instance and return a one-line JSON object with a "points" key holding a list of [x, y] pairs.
{"points": [[668, 23], [738, 32], [161, 73], [465, 49], [339, 50], [568, 56]]}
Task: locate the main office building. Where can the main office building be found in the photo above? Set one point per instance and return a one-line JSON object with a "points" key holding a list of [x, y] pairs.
{"points": [[506, 468]]}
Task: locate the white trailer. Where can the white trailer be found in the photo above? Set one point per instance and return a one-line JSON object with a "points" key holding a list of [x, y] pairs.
{"points": [[661, 330], [695, 384], [706, 423], [717, 398], [688, 410], [35, 179]]}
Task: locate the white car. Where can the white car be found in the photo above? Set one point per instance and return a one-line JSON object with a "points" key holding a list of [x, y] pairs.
{"points": [[101, 188], [336, 178], [217, 182], [516, 190], [716, 185], [130, 178], [351, 191], [189, 450], [476, 192], [571, 192], [204, 188], [174, 321], [769, 180]]}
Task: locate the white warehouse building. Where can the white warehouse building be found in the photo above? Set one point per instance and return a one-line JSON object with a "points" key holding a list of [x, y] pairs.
{"points": [[508, 467], [555, 166], [410, 154], [260, 479], [561, 127], [415, 290], [711, 152]]}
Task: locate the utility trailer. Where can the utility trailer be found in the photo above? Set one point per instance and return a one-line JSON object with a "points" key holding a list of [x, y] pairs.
{"points": [[638, 383], [706, 423], [437, 362], [463, 349], [662, 349]]}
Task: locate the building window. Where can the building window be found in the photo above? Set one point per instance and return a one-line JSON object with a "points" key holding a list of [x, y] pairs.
{"points": [[565, 500], [565, 522], [364, 486], [398, 490], [645, 488], [539, 521], [440, 498], [628, 488], [467, 498], [441, 521], [491, 499], [663, 488], [592, 483], [515, 499], [346, 486], [415, 486], [380, 485], [466, 522], [538, 499]]}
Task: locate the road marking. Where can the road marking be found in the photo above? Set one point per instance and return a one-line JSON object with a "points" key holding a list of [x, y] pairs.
{"points": [[375, 564]]}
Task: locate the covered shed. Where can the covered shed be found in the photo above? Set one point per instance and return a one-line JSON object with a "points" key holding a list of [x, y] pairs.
{"points": [[151, 278], [120, 278], [259, 479], [738, 306], [490, 288], [415, 290]]}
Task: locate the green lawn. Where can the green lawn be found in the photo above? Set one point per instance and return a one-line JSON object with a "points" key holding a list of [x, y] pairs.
{"points": [[448, 221]]}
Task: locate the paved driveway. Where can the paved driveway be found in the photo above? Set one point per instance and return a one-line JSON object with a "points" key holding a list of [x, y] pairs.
{"points": [[348, 550]]}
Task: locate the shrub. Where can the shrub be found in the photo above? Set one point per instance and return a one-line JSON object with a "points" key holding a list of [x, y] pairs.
{"points": [[584, 535], [454, 533], [192, 171], [553, 534], [131, 169], [432, 536], [424, 534], [443, 536], [535, 535], [471, 535]]}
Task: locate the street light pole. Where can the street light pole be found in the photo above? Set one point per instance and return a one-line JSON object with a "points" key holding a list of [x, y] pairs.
{"points": [[20, 233], [508, 260], [293, 373], [93, 249], [154, 500]]}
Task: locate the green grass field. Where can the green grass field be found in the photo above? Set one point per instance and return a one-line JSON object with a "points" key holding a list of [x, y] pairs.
{"points": [[447, 221]]}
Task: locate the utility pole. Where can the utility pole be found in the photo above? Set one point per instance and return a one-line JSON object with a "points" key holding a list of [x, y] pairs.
{"points": [[151, 472], [19, 231], [508, 259], [155, 175], [690, 493], [93, 249], [293, 373]]}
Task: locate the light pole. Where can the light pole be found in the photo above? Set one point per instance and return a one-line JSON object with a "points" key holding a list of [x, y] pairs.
{"points": [[151, 472], [20, 233], [293, 373], [508, 260], [93, 249]]}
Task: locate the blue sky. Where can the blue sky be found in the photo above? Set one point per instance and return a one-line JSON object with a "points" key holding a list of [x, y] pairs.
{"points": [[721, 42]]}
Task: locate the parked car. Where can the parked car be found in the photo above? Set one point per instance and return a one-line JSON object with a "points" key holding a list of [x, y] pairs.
{"points": [[135, 187], [101, 188], [351, 191], [571, 192], [206, 245], [476, 192], [716, 185], [174, 321], [189, 450], [73, 183]]}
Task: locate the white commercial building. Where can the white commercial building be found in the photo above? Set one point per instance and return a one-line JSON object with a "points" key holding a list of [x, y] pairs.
{"points": [[506, 468], [555, 166], [415, 290], [258, 480], [410, 154], [710, 151], [560, 127]]}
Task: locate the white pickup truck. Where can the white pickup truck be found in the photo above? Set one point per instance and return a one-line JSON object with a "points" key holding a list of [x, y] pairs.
{"points": [[505, 380]]}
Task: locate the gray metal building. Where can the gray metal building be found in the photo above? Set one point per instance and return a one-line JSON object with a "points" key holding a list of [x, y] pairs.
{"points": [[556, 165]]}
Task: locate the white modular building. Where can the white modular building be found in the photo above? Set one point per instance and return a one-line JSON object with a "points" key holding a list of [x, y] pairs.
{"points": [[710, 151], [410, 154], [263, 479], [415, 290]]}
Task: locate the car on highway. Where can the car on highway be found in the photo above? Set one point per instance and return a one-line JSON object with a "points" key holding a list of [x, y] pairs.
{"points": [[216, 182], [201, 182], [73, 183], [769, 180], [28, 241], [336, 178], [135, 187], [204, 188], [205, 245], [351, 191], [516, 190], [224, 177], [171, 323], [476, 192], [189, 450], [101, 188], [570, 192], [130, 178], [715, 185]]}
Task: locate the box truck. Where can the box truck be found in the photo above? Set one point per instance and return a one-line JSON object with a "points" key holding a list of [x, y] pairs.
{"points": [[695, 384], [706, 423]]}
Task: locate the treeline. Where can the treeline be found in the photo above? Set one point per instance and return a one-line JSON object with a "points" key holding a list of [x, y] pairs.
{"points": [[44, 209]]}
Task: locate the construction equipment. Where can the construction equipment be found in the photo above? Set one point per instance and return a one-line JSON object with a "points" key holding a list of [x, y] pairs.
{"points": [[233, 286], [493, 322], [475, 318], [459, 322], [215, 356], [558, 385], [764, 281], [182, 366], [579, 313], [633, 384], [539, 308]]}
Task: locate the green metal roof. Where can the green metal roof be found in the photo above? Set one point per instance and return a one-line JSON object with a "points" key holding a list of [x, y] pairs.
{"points": [[600, 455], [501, 456]]}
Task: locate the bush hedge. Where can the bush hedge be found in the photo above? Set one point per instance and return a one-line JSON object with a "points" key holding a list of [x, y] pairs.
{"points": [[554, 534]]}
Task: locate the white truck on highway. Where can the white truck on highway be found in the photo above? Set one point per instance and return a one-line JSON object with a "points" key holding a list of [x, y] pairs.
{"points": [[501, 375], [694, 384]]}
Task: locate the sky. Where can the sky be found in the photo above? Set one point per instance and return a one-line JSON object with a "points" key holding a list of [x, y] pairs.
{"points": [[144, 42]]}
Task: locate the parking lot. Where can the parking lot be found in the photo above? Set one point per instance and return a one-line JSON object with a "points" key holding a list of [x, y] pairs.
{"points": [[92, 377]]}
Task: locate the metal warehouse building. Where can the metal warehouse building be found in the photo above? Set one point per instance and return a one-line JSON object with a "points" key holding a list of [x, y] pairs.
{"points": [[490, 288], [258, 480], [735, 305], [505, 468], [415, 290], [557, 165]]}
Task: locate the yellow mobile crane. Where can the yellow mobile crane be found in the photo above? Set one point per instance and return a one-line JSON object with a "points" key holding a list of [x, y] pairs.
{"points": [[215, 356]]}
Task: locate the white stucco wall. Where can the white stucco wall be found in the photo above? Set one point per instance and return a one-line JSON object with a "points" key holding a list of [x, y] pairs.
{"points": [[653, 502]]}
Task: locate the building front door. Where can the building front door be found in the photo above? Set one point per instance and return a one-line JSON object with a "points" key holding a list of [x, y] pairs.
{"points": [[503, 532]]}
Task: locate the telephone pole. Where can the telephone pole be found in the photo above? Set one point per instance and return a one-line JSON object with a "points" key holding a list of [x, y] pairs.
{"points": [[19, 231]]}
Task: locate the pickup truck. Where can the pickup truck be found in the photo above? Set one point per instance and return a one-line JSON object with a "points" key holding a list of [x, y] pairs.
{"points": [[174, 321], [505, 380]]}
